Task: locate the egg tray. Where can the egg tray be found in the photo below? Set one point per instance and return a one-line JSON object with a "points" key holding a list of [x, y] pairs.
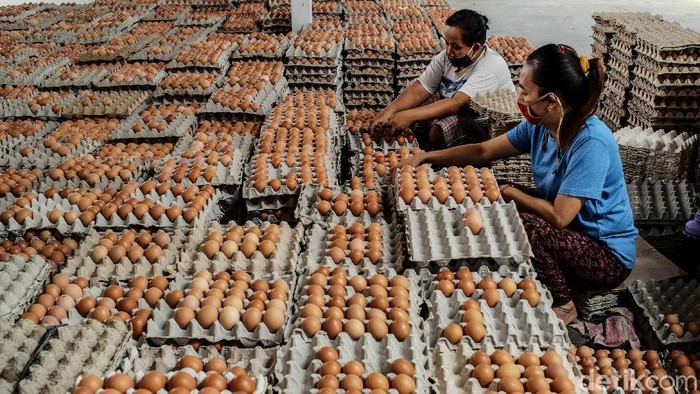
{"points": [[40, 209], [27, 10], [105, 82], [361, 85], [516, 170], [92, 347], [20, 283], [33, 78], [20, 340], [182, 125], [242, 51], [45, 158], [81, 264], [10, 144], [452, 371], [500, 106], [372, 100], [669, 95], [297, 360], [214, 21], [637, 119], [307, 213], [662, 201], [663, 69], [434, 204], [669, 80], [144, 55], [502, 237], [511, 320], [162, 326], [252, 194], [379, 64], [296, 72], [356, 72], [85, 78], [319, 239], [120, 52], [128, 100], [356, 142], [221, 62], [192, 259], [154, 16], [667, 41], [656, 298], [190, 90], [104, 183], [266, 98], [301, 82], [334, 53], [19, 108]]}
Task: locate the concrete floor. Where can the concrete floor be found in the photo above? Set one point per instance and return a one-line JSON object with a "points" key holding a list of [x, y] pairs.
{"points": [[567, 21]]}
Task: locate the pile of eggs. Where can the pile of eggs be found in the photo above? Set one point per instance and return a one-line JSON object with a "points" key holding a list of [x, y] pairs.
{"points": [[89, 204], [530, 374], [238, 97], [415, 182], [15, 128], [189, 80], [241, 21], [72, 133], [54, 247], [131, 244], [357, 122], [685, 365], [349, 376], [223, 128], [621, 368], [248, 240], [191, 373], [463, 280], [135, 71], [258, 43], [228, 299], [356, 242], [17, 181], [514, 49], [206, 53], [678, 328], [180, 169], [92, 170], [378, 306], [157, 117], [255, 73], [215, 148], [356, 203], [143, 151]]}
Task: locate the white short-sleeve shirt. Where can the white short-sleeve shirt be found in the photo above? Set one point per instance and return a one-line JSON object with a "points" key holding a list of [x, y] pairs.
{"points": [[488, 74]]}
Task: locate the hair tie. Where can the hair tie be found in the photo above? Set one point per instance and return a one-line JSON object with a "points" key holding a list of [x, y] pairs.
{"points": [[584, 64]]}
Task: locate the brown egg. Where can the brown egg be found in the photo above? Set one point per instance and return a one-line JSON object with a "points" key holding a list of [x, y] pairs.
{"points": [[453, 333], [333, 327], [182, 380], [120, 382], [491, 296], [404, 384], [153, 381], [251, 318], [484, 374], [191, 361], [183, 316], [446, 287]]}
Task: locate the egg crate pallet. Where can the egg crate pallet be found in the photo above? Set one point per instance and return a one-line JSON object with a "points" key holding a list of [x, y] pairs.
{"points": [[86, 77], [10, 143], [35, 77], [246, 49], [221, 62], [511, 320], [210, 212], [44, 158], [180, 126], [160, 13], [92, 347], [138, 361], [190, 90], [265, 98], [319, 239], [516, 170], [656, 298], [661, 202], [162, 326], [502, 237], [283, 260], [20, 340], [453, 373], [296, 360], [21, 281], [81, 263], [18, 108], [307, 213], [129, 101], [106, 82]]}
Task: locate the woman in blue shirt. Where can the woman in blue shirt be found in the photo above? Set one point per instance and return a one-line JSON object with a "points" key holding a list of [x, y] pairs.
{"points": [[580, 227]]}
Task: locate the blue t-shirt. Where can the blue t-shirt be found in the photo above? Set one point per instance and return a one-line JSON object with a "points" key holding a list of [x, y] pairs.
{"points": [[590, 168]]}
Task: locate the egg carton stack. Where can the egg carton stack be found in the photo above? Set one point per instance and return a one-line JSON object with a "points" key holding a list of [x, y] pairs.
{"points": [[16, 134], [92, 347], [158, 120], [20, 340], [658, 155], [417, 43], [516, 170], [666, 85], [660, 306], [389, 253], [245, 18], [315, 60], [500, 107], [299, 364], [199, 254], [369, 65], [360, 136], [22, 281], [502, 237], [523, 319], [603, 32], [478, 369], [279, 19], [210, 52], [320, 205], [263, 46], [167, 324], [514, 49], [662, 202]]}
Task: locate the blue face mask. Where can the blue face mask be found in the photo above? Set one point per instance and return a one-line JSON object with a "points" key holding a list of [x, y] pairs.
{"points": [[462, 62]]}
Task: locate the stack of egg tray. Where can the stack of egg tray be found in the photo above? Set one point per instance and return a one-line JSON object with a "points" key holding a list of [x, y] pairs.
{"points": [[89, 348], [516, 170], [661, 203], [327, 10], [502, 237], [319, 238], [19, 341], [658, 155], [592, 306], [297, 369], [167, 13], [163, 327], [315, 70], [122, 103], [258, 362], [412, 62], [514, 50], [666, 84], [500, 108], [369, 62], [207, 16], [283, 260], [196, 46], [21, 281], [113, 81], [16, 13], [657, 298], [452, 371], [307, 213], [118, 48], [278, 19], [276, 46], [511, 320]]}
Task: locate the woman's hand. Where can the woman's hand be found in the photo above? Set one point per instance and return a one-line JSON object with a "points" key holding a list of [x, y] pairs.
{"points": [[399, 122], [503, 188], [380, 121], [414, 161]]}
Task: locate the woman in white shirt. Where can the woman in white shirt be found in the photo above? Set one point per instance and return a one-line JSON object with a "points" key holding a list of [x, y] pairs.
{"points": [[439, 99]]}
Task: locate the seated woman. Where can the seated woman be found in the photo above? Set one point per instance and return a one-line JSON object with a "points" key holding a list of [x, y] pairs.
{"points": [[439, 99], [581, 227]]}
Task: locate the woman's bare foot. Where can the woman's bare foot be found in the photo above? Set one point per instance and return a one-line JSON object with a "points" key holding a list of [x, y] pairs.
{"points": [[567, 312]]}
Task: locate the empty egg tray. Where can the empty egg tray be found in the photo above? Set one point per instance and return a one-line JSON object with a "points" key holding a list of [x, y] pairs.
{"points": [[661, 202], [20, 283], [19, 341], [307, 213]]}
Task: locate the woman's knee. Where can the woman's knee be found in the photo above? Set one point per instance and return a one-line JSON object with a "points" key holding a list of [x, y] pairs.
{"points": [[437, 137]]}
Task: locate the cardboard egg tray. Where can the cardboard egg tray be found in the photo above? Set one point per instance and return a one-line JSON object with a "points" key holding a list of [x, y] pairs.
{"points": [[661, 202], [19, 108], [190, 90], [319, 239], [500, 106], [356, 141], [269, 204], [167, 13], [668, 42], [502, 237], [115, 49], [297, 367], [16, 13], [92, 347], [86, 76], [30, 75], [162, 326], [516, 170], [355, 72], [657, 112], [81, 264], [657, 298], [277, 46], [21, 282], [76, 182], [266, 98], [295, 72], [680, 80], [182, 124], [220, 63], [124, 103], [283, 260], [368, 99], [106, 82], [10, 144], [307, 213], [452, 369], [659, 94], [511, 320], [40, 209], [663, 69], [19, 342], [194, 18], [384, 64]]}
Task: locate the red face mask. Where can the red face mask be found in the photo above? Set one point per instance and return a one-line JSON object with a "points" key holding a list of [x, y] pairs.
{"points": [[525, 110]]}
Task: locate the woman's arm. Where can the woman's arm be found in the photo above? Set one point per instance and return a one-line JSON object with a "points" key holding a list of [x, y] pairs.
{"points": [[414, 95], [559, 214], [439, 109], [463, 155]]}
